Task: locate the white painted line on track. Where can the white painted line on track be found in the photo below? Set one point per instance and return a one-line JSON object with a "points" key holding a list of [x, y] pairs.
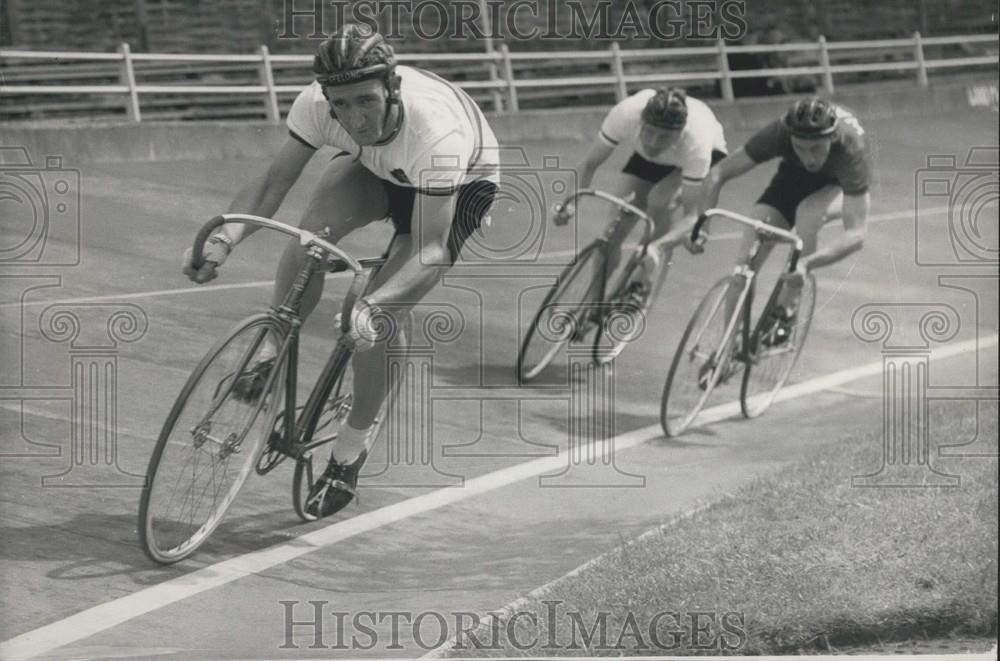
{"points": [[207, 289], [110, 614], [142, 294]]}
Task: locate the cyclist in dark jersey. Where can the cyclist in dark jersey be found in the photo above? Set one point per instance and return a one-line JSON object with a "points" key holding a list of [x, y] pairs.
{"points": [[824, 175]]}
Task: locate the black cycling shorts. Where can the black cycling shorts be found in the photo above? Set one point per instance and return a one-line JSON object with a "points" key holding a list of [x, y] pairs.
{"points": [[474, 202], [789, 186], [654, 173]]}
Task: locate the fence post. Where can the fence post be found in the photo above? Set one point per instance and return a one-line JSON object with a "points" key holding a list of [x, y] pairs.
{"points": [[127, 76], [508, 76], [726, 81], [918, 55], [267, 80], [824, 61], [494, 77], [621, 89]]}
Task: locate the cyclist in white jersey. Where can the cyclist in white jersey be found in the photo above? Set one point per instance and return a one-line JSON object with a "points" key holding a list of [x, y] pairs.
{"points": [[674, 139], [411, 147]]}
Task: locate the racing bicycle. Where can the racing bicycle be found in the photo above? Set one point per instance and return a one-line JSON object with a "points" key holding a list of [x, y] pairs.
{"points": [[722, 337], [590, 295], [220, 429]]}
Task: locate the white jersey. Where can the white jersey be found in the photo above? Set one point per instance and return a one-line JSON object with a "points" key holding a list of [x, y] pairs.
{"points": [[692, 152], [443, 140]]}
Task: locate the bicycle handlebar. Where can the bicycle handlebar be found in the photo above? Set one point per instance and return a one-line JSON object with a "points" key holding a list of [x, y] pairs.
{"points": [[341, 261], [617, 201], [759, 226], [305, 237]]}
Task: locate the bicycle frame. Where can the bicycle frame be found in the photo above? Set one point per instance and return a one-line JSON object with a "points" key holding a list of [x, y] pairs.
{"points": [[626, 209], [286, 316], [747, 273]]}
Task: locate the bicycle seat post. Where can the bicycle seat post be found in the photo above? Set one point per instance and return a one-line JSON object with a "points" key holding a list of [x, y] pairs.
{"points": [[293, 299]]}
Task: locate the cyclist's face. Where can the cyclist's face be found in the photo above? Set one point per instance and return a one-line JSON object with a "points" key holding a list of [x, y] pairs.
{"points": [[812, 152], [656, 140], [360, 108]]}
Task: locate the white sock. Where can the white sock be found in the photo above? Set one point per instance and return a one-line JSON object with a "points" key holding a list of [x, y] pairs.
{"points": [[352, 442]]}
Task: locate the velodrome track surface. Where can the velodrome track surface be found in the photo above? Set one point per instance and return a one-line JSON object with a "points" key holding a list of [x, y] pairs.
{"points": [[66, 549]]}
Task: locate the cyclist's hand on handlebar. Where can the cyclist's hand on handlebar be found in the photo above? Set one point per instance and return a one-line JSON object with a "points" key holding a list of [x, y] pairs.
{"points": [[214, 253], [795, 279], [696, 247], [564, 213], [365, 325]]}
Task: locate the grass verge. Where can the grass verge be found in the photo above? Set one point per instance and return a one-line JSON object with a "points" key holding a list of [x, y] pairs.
{"points": [[797, 562]]}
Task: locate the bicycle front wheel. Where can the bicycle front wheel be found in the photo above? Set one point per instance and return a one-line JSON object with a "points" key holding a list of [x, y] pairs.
{"points": [[701, 358], [211, 440], [563, 316], [770, 359]]}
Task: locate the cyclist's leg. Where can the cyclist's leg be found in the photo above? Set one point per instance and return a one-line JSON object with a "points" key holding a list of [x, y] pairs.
{"points": [[817, 209], [772, 216], [347, 197], [344, 200], [629, 186], [778, 205], [639, 178], [663, 205], [370, 367], [371, 384]]}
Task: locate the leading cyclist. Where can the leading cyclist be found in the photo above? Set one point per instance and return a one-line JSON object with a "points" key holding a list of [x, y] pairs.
{"points": [[674, 140], [824, 175], [411, 147]]}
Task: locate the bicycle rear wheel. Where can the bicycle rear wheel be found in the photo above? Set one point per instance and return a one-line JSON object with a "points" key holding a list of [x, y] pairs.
{"points": [[333, 414], [337, 406], [563, 315], [768, 362], [701, 358], [622, 322], [211, 440]]}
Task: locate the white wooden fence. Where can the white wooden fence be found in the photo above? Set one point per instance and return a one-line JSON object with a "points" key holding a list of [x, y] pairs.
{"points": [[509, 73]]}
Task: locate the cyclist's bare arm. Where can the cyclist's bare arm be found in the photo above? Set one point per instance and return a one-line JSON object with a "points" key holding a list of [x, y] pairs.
{"points": [[855, 218], [598, 153], [428, 257], [263, 195], [734, 165]]}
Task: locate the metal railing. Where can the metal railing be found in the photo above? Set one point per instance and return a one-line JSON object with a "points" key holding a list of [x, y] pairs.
{"points": [[504, 83]]}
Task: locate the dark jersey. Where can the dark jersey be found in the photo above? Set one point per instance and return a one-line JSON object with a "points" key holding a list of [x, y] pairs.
{"points": [[849, 163]]}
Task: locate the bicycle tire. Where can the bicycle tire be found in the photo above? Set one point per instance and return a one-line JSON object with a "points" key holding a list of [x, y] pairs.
{"points": [[619, 326], [336, 408], [680, 405], [567, 314], [172, 535], [765, 374]]}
